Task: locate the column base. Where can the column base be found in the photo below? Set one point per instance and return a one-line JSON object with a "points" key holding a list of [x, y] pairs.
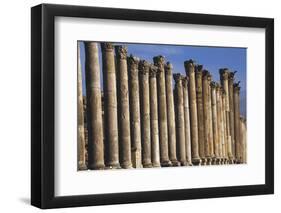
{"points": [[175, 163], [113, 165], [196, 161], [96, 166], [82, 166], [127, 165], [203, 161], [166, 163], [156, 164], [183, 163], [209, 161], [147, 165]]}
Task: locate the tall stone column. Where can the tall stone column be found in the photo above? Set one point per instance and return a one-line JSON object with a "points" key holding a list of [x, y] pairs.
{"points": [[171, 115], [80, 110], [224, 75], [145, 113], [163, 127], [200, 112], [94, 107], [219, 123], [190, 72], [110, 105], [206, 110], [243, 139], [211, 139], [187, 121], [236, 92], [124, 111], [133, 63], [154, 117], [224, 130], [215, 122], [180, 125], [231, 111]]}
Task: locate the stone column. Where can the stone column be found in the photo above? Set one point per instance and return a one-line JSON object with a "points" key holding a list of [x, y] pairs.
{"points": [[206, 110], [243, 139], [145, 113], [187, 121], [80, 110], [94, 107], [171, 115], [163, 127], [211, 139], [133, 63], [124, 111], [231, 111], [110, 105], [180, 125], [224, 130], [154, 117], [190, 72], [200, 112], [215, 122], [236, 92], [219, 123]]}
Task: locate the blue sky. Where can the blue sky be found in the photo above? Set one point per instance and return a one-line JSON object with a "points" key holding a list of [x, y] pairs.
{"points": [[212, 59]]}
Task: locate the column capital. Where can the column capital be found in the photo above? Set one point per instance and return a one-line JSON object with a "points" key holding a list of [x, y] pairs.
{"points": [[133, 61], [189, 63], [159, 61], [153, 70], [107, 46], [231, 75], [206, 74], [185, 81], [168, 68], [121, 51], [178, 77], [213, 84], [199, 68], [236, 87], [143, 67], [224, 73]]}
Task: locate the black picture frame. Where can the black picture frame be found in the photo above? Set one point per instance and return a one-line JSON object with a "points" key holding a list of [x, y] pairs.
{"points": [[43, 102]]}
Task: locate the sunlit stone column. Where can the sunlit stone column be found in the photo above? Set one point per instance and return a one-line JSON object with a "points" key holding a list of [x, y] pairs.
{"points": [[206, 110], [155, 152], [190, 72], [124, 113], [163, 127], [180, 119], [80, 110], [224, 131], [243, 139], [224, 75], [171, 115], [231, 111], [94, 107], [211, 140], [110, 105], [236, 92], [133, 63], [145, 113], [215, 122], [219, 123], [200, 112], [187, 121]]}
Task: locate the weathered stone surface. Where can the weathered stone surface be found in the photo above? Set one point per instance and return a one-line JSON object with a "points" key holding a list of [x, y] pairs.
{"points": [[190, 72], [94, 107], [215, 122], [159, 61], [154, 117], [123, 107], [180, 124], [171, 114], [145, 113], [231, 111], [236, 91], [243, 139], [133, 63], [110, 105]]}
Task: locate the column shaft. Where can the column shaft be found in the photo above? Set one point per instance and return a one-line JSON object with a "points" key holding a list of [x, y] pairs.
{"points": [[211, 139], [145, 113], [163, 127], [215, 121], [236, 91], [190, 72], [231, 111], [219, 123], [171, 115], [94, 107], [154, 117], [124, 111], [243, 139], [180, 125], [133, 63]]}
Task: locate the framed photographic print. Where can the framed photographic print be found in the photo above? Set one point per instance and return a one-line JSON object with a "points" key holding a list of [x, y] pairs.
{"points": [[139, 106]]}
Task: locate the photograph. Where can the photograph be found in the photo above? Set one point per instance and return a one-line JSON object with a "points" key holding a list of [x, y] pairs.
{"points": [[142, 105]]}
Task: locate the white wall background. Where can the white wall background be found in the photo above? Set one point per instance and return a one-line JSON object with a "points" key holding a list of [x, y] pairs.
{"points": [[15, 105]]}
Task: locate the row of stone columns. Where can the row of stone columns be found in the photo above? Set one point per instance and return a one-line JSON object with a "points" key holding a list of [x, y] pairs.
{"points": [[145, 121]]}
